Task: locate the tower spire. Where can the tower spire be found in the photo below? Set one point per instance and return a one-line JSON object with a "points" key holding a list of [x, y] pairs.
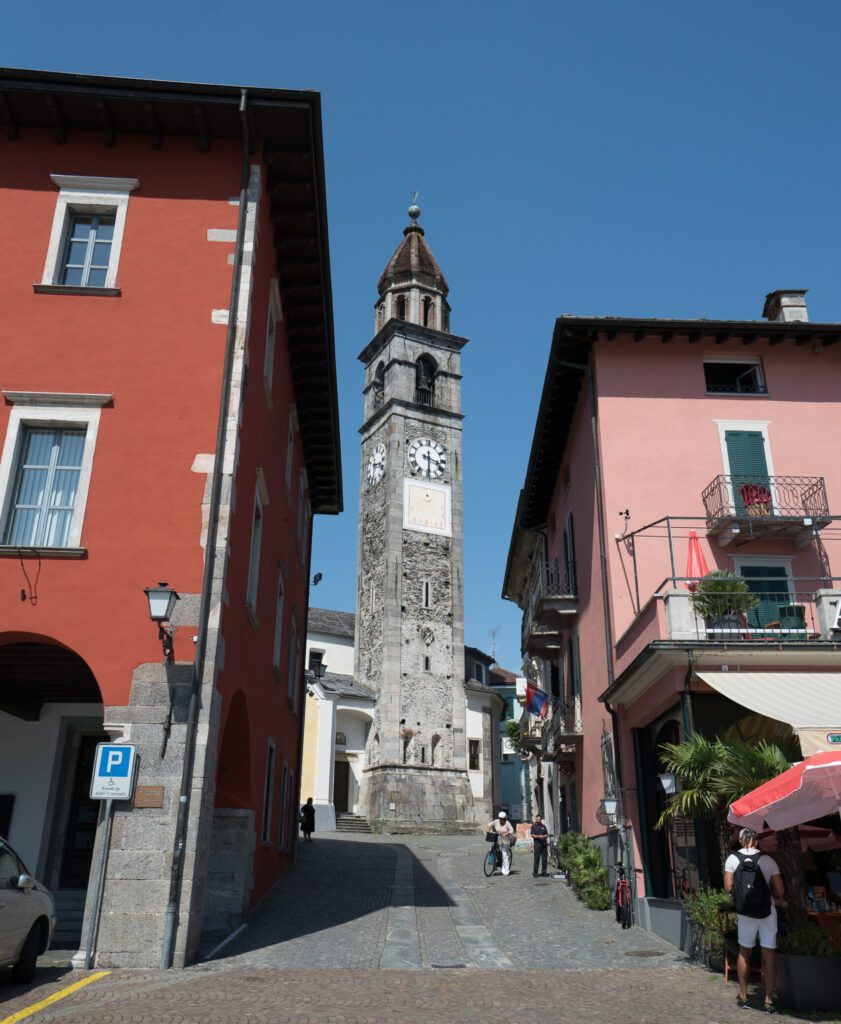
{"points": [[412, 287]]}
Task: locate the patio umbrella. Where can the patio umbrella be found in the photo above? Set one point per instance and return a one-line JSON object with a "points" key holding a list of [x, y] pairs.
{"points": [[813, 838], [696, 564], [806, 791]]}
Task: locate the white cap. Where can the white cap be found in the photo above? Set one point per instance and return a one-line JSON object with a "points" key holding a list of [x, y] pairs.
{"points": [[502, 814]]}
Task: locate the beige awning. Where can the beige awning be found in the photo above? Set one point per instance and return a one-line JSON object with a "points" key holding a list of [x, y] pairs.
{"points": [[810, 702]]}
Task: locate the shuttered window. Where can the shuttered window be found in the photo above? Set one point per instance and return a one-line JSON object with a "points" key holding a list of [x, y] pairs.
{"points": [[748, 463]]}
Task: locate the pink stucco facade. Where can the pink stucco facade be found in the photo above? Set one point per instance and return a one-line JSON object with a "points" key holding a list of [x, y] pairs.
{"points": [[661, 442]]}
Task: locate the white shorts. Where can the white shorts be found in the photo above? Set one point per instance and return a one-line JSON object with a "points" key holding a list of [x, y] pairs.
{"points": [[763, 928]]}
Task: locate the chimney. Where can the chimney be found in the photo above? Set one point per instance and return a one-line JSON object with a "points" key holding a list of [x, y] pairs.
{"points": [[786, 304]]}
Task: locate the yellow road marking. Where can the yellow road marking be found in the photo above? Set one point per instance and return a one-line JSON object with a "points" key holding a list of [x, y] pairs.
{"points": [[54, 998]]}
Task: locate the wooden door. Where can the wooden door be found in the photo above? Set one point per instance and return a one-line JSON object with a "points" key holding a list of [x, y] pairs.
{"points": [[341, 786]]}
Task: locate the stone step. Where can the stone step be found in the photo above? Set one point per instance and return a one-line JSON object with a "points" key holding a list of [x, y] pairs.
{"points": [[352, 823]]}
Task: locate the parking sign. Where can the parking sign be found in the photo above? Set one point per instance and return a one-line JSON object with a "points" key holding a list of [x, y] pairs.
{"points": [[113, 771]]}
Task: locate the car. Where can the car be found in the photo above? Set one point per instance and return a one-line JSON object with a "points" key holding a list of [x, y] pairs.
{"points": [[27, 917]]}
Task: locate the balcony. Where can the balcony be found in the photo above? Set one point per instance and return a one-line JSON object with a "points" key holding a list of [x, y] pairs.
{"points": [[531, 733], [773, 507], [552, 604], [562, 729]]}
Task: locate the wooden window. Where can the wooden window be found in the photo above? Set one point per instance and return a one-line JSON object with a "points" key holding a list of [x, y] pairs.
{"points": [[278, 624], [748, 466], [290, 451], [254, 554], [47, 480], [734, 377], [473, 755], [292, 682], [285, 808], [87, 254], [268, 363], [268, 792]]}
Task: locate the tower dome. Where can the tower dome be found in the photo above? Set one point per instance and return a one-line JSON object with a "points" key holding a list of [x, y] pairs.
{"points": [[412, 286]]}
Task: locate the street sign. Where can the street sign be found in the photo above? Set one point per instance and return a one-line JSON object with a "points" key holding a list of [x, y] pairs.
{"points": [[114, 769]]}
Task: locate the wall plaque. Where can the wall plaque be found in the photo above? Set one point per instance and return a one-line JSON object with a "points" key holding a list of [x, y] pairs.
{"points": [[149, 796]]}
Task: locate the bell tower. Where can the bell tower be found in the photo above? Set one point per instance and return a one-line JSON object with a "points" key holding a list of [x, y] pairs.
{"points": [[410, 581]]}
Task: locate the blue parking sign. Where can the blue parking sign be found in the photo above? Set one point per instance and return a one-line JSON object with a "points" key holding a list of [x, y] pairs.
{"points": [[113, 771]]}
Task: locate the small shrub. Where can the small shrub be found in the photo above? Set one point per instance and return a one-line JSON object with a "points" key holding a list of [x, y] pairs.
{"points": [[702, 910], [809, 940], [596, 897], [579, 856]]}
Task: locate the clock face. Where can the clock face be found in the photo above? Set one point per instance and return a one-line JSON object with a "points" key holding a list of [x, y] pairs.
{"points": [[427, 458], [376, 464]]}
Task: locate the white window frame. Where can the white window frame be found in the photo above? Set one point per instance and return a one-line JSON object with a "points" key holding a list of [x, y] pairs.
{"points": [[290, 450], [746, 360], [79, 194], [280, 596], [274, 318], [268, 791], [261, 502], [57, 411]]}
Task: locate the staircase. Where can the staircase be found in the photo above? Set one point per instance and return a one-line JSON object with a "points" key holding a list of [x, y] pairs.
{"points": [[352, 823], [69, 909]]}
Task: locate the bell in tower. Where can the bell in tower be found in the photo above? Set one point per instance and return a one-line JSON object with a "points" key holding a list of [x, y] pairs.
{"points": [[409, 648]]}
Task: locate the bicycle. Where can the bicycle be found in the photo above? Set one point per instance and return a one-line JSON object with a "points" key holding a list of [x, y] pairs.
{"points": [[623, 898], [554, 857], [493, 858]]}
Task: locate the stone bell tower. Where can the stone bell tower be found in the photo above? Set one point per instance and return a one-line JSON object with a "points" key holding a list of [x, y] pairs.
{"points": [[410, 583]]}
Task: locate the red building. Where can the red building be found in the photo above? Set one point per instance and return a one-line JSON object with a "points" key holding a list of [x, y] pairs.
{"points": [[169, 389]]}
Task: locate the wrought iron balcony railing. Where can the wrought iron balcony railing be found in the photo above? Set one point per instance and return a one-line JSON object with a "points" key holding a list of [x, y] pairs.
{"points": [[780, 505], [552, 591]]}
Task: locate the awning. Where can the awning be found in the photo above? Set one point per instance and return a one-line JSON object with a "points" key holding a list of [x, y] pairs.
{"points": [[810, 702]]}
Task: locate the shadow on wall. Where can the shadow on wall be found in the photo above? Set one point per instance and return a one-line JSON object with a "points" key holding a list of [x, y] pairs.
{"points": [[332, 881]]}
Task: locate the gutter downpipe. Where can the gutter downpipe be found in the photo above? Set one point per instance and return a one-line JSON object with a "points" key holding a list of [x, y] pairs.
{"points": [[177, 870]]}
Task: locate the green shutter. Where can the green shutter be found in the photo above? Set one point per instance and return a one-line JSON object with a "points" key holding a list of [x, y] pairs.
{"points": [[748, 465], [770, 583], [575, 667]]}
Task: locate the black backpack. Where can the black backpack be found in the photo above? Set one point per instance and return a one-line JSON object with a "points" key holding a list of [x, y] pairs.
{"points": [[751, 893]]}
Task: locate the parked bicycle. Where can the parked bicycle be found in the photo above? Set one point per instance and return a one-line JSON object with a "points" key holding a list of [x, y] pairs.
{"points": [[554, 857], [493, 858], [623, 900]]}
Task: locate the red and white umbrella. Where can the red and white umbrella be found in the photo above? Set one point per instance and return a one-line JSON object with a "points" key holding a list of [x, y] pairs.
{"points": [[696, 564], [806, 791]]}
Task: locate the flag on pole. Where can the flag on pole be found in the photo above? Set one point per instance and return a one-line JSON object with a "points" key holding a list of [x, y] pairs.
{"points": [[537, 700]]}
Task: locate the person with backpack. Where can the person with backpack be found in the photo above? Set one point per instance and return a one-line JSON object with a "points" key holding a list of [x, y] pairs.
{"points": [[753, 880]]}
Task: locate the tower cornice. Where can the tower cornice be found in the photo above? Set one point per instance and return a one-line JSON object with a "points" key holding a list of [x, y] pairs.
{"points": [[414, 332]]}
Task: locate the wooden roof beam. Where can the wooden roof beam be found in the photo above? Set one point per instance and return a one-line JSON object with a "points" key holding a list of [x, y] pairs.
{"points": [[153, 125], [8, 119], [201, 127], [104, 115], [57, 118]]}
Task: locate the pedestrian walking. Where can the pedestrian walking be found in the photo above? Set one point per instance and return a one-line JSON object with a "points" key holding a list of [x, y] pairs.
{"points": [[505, 833], [540, 844], [308, 820], [753, 879]]}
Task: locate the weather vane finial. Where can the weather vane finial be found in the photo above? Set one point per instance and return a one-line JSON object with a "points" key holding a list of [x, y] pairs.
{"points": [[414, 209]]}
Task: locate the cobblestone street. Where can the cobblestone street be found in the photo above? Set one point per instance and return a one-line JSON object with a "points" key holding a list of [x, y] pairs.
{"points": [[388, 930]]}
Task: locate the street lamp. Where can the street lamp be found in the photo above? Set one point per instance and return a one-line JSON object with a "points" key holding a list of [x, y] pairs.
{"points": [[162, 600], [668, 780], [610, 805]]}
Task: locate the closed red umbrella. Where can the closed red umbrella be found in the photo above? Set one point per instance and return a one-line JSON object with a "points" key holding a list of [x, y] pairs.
{"points": [[696, 564]]}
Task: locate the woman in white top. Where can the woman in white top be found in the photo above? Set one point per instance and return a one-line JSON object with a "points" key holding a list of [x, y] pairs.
{"points": [[502, 826]]}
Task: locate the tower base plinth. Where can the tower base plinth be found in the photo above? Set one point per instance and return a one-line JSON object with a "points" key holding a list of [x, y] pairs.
{"points": [[418, 800]]}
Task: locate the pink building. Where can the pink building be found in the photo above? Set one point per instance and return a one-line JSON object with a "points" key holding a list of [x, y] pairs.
{"points": [[647, 431]]}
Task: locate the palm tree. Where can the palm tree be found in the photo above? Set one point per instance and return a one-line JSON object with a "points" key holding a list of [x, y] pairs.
{"points": [[714, 773]]}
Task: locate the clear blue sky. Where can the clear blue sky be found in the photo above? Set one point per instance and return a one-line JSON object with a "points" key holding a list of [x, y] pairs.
{"points": [[616, 158]]}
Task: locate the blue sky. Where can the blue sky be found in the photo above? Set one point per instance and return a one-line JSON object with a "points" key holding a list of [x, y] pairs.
{"points": [[598, 157]]}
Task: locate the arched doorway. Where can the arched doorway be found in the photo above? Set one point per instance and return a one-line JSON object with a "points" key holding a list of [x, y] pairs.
{"points": [[351, 737], [51, 719]]}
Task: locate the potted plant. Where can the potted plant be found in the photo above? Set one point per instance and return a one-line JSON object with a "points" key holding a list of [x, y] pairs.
{"points": [[722, 598], [808, 962], [707, 939]]}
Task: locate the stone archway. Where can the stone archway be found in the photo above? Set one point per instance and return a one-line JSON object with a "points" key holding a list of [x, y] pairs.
{"points": [[51, 718]]}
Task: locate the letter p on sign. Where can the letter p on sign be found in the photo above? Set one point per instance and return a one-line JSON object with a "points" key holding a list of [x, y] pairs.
{"points": [[114, 771]]}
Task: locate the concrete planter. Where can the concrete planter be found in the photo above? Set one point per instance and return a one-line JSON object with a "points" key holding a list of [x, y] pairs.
{"points": [[806, 983]]}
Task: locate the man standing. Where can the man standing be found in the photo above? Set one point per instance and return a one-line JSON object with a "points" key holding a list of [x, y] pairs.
{"points": [[505, 833], [540, 843], [753, 879]]}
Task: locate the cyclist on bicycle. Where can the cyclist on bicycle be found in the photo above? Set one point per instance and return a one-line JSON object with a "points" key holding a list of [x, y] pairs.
{"points": [[505, 835], [540, 840]]}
